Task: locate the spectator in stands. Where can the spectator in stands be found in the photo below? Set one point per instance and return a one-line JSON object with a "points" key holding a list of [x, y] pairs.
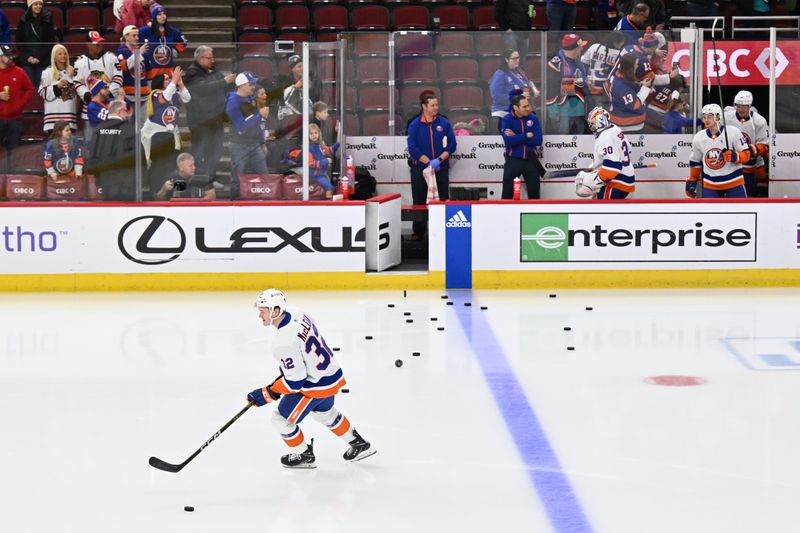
{"points": [[161, 137], [431, 142], [59, 90], [702, 8], [291, 111], [127, 63], [675, 119], [167, 41], [96, 64], [97, 109], [206, 111], [247, 131], [35, 37], [509, 77], [184, 183], [634, 24], [561, 15], [515, 16], [320, 159], [599, 60], [657, 16], [5, 30], [606, 14], [134, 13], [112, 154], [566, 80], [628, 95], [17, 90], [63, 153], [522, 136], [320, 117]]}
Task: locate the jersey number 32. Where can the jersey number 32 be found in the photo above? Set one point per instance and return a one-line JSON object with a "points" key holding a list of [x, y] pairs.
{"points": [[318, 345]]}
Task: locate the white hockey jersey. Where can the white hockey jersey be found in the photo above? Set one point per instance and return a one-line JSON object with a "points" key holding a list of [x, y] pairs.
{"points": [[306, 362], [707, 157], [59, 105], [104, 67], [612, 159], [755, 129]]}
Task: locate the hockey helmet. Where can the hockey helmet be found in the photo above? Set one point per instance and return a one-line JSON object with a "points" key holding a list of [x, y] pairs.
{"points": [[598, 119], [743, 98], [270, 299], [712, 109]]}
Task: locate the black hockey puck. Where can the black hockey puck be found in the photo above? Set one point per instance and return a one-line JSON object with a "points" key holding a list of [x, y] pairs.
{"points": [[391, 305], [570, 348], [368, 337], [440, 329], [449, 303], [188, 509], [445, 297], [552, 296], [415, 354], [345, 391], [467, 304], [404, 293], [484, 308], [409, 320], [407, 313], [567, 328], [588, 308], [434, 319], [398, 363], [336, 348]]}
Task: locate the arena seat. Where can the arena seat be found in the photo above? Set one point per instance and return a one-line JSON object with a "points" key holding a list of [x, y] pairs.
{"points": [[413, 45], [373, 70], [452, 17], [483, 18], [83, 18], [370, 44], [254, 17], [292, 18], [255, 44], [411, 18], [458, 70], [489, 44], [417, 70], [330, 18], [370, 17], [375, 98], [454, 44], [463, 98]]}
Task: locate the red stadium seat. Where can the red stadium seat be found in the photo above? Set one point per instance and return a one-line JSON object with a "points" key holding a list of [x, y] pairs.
{"points": [[452, 17], [83, 18], [351, 124], [370, 44], [370, 18], [296, 36], [373, 70], [583, 16], [32, 129], [417, 70], [13, 14], [409, 95], [483, 18], [75, 43], [488, 66], [254, 17], [28, 158], [454, 44], [458, 70], [411, 18], [292, 18], [413, 45], [58, 16], [316, 3], [255, 43], [489, 44], [539, 21], [375, 124], [263, 67], [463, 98], [330, 18], [375, 98], [108, 19]]}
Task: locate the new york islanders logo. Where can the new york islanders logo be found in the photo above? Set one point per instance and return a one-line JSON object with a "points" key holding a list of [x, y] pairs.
{"points": [[162, 55], [64, 165], [714, 159], [169, 115]]}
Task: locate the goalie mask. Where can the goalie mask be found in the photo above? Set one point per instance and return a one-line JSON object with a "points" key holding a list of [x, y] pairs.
{"points": [[598, 120]]}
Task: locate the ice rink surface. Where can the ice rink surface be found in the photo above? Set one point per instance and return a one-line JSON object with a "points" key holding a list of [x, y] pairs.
{"points": [[495, 426]]}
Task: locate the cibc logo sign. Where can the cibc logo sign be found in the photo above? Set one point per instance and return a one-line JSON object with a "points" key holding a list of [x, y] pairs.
{"points": [[156, 240], [638, 237]]}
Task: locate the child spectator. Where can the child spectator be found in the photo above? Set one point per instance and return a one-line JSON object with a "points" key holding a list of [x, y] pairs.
{"points": [[63, 154], [320, 158]]}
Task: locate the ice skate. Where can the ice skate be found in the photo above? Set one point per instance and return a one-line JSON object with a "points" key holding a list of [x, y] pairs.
{"points": [[301, 460], [359, 449]]}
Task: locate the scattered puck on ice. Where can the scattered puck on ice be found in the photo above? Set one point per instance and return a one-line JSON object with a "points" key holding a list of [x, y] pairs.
{"points": [[449, 303], [445, 297], [484, 308], [398, 363], [467, 304], [391, 305], [336, 348], [407, 313], [404, 293], [552, 296], [588, 308], [434, 319], [440, 329], [409, 320], [415, 354], [188, 509], [368, 337], [567, 328], [570, 348], [345, 391]]}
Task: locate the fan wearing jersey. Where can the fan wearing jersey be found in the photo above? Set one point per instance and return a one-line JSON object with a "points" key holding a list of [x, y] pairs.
{"points": [[611, 176], [309, 379], [753, 126], [628, 95], [718, 153]]}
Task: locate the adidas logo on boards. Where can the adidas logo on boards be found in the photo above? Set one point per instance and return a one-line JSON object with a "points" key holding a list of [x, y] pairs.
{"points": [[458, 221]]}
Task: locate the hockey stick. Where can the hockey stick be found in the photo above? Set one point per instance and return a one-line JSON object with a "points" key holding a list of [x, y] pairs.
{"points": [[719, 82], [155, 462], [572, 172]]}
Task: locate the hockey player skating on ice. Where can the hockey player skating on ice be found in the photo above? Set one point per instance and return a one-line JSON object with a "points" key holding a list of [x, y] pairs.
{"points": [[753, 126], [310, 378], [718, 153], [611, 177]]}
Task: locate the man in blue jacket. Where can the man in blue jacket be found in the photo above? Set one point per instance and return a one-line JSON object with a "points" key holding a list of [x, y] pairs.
{"points": [[247, 131], [431, 142], [522, 135]]}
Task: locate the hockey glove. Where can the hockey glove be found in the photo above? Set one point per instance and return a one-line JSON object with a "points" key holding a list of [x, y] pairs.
{"points": [[263, 396], [587, 184], [435, 164], [730, 156], [691, 188]]}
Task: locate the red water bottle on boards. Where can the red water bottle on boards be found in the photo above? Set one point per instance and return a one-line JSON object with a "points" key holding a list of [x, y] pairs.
{"points": [[349, 178], [517, 188]]}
